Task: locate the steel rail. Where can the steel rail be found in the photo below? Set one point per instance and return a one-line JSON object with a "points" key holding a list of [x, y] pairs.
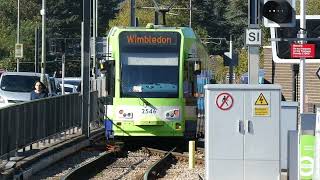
{"points": [[154, 170], [86, 170]]}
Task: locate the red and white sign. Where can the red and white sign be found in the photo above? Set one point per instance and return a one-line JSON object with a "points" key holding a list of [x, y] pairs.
{"points": [[303, 50], [224, 101]]}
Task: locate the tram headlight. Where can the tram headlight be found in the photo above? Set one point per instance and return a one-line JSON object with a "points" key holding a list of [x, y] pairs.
{"points": [[178, 126], [125, 115]]}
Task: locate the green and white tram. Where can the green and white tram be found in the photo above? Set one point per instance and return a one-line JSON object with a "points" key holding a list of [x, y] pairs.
{"points": [[151, 78]]}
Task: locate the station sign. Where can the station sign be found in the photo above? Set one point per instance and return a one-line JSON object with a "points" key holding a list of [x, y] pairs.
{"points": [[303, 50], [253, 37]]}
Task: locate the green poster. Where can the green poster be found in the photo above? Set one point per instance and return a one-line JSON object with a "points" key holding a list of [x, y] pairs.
{"points": [[306, 156]]}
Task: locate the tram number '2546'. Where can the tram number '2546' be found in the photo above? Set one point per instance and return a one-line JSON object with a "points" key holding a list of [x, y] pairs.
{"points": [[148, 111]]}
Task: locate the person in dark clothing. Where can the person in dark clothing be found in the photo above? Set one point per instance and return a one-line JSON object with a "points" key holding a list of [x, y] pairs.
{"points": [[39, 92]]}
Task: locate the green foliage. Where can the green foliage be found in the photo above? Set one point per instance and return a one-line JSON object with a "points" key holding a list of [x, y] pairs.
{"points": [[210, 18], [146, 15], [243, 63], [312, 8], [8, 30], [236, 16], [220, 70]]}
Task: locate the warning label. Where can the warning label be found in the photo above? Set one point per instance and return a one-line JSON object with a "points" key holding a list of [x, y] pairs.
{"points": [[261, 111], [261, 105], [261, 100]]}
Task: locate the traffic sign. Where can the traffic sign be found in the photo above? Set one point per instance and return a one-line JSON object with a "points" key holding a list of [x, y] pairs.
{"points": [[303, 50], [18, 50], [318, 73], [281, 49], [224, 101], [253, 37]]}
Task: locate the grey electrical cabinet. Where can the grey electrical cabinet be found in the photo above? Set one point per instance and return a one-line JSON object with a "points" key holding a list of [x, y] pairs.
{"points": [[242, 135]]}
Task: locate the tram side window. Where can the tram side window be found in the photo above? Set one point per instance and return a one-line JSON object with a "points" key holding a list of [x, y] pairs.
{"points": [[110, 86], [188, 81]]}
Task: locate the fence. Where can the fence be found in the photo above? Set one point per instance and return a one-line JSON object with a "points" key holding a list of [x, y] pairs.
{"points": [[25, 123]]}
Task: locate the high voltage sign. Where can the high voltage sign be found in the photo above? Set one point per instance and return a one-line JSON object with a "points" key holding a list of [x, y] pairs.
{"points": [[261, 100]]}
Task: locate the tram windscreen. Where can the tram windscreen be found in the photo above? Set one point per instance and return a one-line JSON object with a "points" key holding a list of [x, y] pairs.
{"points": [[149, 64]]}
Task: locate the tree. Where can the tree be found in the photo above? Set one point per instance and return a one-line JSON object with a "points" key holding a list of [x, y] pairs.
{"points": [[29, 10]]}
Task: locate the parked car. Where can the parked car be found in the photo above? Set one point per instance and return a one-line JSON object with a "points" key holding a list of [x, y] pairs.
{"points": [[69, 88], [16, 87], [2, 71], [54, 83], [75, 81]]}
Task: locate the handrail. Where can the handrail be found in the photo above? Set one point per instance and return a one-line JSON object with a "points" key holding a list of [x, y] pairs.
{"points": [[25, 123]]}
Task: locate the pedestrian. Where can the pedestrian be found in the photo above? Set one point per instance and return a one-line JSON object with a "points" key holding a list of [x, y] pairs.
{"points": [[39, 91]]}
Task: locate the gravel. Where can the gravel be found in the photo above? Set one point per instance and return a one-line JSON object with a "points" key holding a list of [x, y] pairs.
{"points": [[61, 168], [181, 171], [124, 168], [128, 167]]}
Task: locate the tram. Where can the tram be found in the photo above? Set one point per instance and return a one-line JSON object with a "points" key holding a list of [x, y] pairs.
{"points": [[151, 78]]}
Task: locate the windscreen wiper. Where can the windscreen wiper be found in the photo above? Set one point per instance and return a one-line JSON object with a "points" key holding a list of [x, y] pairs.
{"points": [[138, 96], [143, 100]]}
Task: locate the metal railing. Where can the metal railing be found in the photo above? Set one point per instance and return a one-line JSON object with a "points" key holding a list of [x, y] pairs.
{"points": [[26, 123]]}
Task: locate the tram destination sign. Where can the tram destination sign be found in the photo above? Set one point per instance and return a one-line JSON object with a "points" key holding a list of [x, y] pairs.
{"points": [[134, 38], [303, 51]]}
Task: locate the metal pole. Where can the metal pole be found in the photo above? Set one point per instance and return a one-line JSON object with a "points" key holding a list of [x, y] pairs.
{"points": [[190, 11], [295, 69], [36, 49], [253, 52], [231, 62], [94, 39], [316, 170], [132, 13], [18, 31], [43, 41], [85, 67], [302, 34], [63, 72], [156, 17], [97, 8]]}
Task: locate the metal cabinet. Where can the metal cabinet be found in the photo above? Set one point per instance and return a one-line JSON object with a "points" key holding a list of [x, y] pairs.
{"points": [[242, 132]]}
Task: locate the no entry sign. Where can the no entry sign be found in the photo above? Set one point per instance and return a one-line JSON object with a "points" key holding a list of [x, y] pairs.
{"points": [[224, 101]]}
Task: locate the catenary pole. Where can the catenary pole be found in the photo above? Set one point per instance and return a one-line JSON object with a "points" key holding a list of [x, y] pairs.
{"points": [[85, 67], [43, 41], [18, 32]]}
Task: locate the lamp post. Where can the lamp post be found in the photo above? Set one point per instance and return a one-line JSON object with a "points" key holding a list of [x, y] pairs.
{"points": [[18, 31], [190, 11], [43, 41]]}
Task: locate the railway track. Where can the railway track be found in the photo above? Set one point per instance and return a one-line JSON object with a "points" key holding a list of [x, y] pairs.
{"points": [[146, 163]]}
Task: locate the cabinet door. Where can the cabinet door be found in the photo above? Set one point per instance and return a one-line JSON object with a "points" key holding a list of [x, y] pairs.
{"points": [[226, 126], [262, 131], [261, 170], [262, 140], [226, 170]]}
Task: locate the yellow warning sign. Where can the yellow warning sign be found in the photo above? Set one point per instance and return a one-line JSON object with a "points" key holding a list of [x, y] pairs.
{"points": [[261, 100], [261, 111]]}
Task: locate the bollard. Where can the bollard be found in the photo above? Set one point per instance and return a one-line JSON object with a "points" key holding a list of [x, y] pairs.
{"points": [[191, 154]]}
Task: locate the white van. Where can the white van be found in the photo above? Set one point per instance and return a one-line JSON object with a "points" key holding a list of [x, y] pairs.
{"points": [[16, 87]]}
